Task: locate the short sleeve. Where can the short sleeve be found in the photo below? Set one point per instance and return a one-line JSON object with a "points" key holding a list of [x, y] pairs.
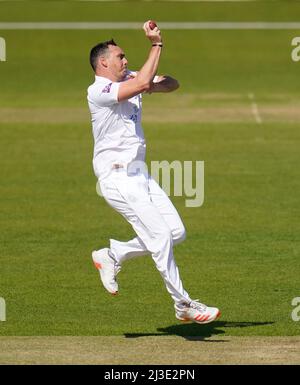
{"points": [[104, 94]]}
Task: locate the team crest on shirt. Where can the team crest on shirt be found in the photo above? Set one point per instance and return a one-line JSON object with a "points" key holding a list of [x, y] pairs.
{"points": [[134, 118], [107, 88]]}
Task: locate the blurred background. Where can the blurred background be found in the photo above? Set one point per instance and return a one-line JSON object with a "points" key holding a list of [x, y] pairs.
{"points": [[238, 109]]}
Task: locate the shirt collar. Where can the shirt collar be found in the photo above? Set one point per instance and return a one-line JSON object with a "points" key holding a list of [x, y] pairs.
{"points": [[97, 78]]}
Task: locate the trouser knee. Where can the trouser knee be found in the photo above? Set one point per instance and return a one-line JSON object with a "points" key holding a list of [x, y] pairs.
{"points": [[163, 240], [178, 235]]}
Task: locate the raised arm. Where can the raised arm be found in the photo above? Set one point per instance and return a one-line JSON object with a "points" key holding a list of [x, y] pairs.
{"points": [[142, 82]]}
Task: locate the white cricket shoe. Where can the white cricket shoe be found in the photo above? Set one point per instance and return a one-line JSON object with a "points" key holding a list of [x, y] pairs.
{"points": [[107, 268], [197, 312]]}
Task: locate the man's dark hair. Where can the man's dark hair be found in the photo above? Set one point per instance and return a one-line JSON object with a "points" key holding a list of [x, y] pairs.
{"points": [[99, 50]]}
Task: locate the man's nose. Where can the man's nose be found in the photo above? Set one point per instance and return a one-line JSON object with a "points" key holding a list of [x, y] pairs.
{"points": [[125, 62]]}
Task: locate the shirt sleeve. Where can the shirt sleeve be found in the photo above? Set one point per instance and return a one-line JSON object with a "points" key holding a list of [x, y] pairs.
{"points": [[104, 94]]}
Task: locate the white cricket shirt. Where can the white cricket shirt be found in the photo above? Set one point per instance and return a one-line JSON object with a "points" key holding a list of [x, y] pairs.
{"points": [[117, 130]]}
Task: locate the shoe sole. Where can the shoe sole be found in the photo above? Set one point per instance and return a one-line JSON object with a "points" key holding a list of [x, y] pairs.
{"points": [[98, 266], [199, 322]]}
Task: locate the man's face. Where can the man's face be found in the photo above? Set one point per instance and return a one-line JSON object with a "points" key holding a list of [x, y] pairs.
{"points": [[116, 62]]}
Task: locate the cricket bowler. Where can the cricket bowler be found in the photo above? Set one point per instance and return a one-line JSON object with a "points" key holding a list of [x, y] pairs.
{"points": [[115, 103]]}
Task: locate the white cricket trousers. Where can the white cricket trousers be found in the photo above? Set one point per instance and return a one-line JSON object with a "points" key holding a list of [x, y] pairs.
{"points": [[141, 201]]}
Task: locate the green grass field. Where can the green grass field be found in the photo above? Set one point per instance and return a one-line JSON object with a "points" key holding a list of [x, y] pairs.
{"points": [[242, 247]]}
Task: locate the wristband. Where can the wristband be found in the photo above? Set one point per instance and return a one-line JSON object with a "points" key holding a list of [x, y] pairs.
{"points": [[157, 44]]}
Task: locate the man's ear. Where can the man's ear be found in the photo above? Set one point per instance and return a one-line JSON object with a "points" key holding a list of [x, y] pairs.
{"points": [[102, 62]]}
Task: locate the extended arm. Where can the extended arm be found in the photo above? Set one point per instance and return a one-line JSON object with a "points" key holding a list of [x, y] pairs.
{"points": [[164, 84]]}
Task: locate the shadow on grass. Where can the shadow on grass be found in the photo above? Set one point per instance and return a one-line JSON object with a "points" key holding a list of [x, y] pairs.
{"points": [[196, 332]]}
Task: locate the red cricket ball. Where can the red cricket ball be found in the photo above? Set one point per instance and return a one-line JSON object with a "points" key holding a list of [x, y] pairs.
{"points": [[152, 24]]}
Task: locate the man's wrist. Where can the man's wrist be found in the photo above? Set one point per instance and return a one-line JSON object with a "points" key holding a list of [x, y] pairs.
{"points": [[157, 44]]}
